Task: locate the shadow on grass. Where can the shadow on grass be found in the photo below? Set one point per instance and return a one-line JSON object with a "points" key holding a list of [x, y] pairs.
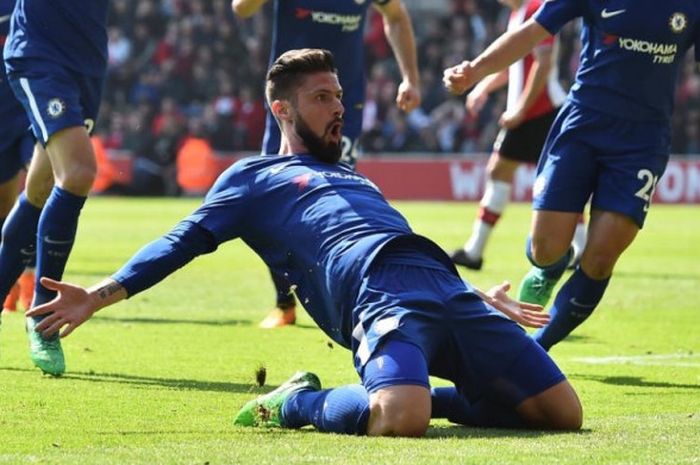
{"points": [[578, 338], [660, 275], [229, 322], [144, 381], [458, 431], [635, 381]]}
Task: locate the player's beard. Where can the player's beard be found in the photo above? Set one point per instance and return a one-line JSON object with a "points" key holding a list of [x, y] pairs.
{"points": [[327, 152]]}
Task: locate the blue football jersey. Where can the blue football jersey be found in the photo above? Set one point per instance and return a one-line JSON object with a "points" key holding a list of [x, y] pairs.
{"points": [[335, 25], [71, 33], [317, 224], [631, 52]]}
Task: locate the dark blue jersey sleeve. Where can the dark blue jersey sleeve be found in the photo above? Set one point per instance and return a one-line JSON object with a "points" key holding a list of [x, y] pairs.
{"points": [[697, 44], [225, 206], [554, 14], [162, 257]]}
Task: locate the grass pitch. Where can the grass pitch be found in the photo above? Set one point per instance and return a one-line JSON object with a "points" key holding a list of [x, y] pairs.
{"points": [[157, 379]]}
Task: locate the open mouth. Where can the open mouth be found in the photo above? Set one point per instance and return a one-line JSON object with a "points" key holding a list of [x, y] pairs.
{"points": [[335, 129]]}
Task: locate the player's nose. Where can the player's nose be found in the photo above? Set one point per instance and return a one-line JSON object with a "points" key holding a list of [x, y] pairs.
{"points": [[339, 109]]}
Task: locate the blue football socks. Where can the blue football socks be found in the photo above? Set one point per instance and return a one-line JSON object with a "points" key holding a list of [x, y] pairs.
{"points": [[57, 227], [18, 247], [575, 302], [342, 410]]}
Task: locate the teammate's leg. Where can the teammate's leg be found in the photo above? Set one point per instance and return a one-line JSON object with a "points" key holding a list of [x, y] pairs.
{"points": [[579, 242], [8, 194], [74, 166], [500, 172], [19, 156], [18, 247], [609, 235], [284, 312], [549, 250], [73, 161]]}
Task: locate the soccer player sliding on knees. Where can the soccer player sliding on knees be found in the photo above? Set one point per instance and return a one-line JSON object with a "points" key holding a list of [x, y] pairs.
{"points": [[369, 282]]}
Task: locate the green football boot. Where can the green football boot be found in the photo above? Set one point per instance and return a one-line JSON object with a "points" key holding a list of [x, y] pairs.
{"points": [[536, 288], [266, 410], [46, 354]]}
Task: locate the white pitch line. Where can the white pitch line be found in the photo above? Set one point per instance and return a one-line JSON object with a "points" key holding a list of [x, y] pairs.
{"points": [[676, 360]]}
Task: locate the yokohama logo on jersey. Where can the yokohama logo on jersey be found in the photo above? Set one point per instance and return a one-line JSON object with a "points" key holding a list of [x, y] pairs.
{"points": [[663, 53], [348, 23]]}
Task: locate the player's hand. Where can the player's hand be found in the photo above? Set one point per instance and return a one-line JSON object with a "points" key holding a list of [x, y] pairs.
{"points": [[475, 101], [71, 308], [526, 314], [408, 96], [459, 78], [511, 119]]}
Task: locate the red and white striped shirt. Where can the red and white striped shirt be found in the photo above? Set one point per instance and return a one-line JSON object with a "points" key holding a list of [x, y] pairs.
{"points": [[553, 94]]}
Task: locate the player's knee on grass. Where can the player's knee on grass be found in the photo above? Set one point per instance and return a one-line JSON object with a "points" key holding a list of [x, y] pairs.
{"points": [[556, 408], [399, 411]]}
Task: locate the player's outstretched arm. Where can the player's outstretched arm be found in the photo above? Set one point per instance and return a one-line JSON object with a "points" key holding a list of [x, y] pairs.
{"points": [[74, 304], [246, 8], [150, 265], [399, 32], [505, 50], [526, 314]]}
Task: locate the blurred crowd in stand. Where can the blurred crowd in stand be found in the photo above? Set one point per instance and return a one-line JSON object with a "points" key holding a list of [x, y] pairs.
{"points": [[182, 69]]}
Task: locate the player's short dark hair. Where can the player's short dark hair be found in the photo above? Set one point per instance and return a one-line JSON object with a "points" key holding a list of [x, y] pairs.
{"points": [[288, 70]]}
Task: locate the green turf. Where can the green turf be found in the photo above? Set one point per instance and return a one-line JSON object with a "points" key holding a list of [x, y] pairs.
{"points": [[157, 380]]}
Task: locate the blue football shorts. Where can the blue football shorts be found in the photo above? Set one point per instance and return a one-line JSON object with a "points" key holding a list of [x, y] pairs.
{"points": [[415, 321], [16, 141], [15, 155], [55, 98], [615, 162]]}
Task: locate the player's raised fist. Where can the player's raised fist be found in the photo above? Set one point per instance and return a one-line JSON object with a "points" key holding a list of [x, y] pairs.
{"points": [[408, 96], [459, 78]]}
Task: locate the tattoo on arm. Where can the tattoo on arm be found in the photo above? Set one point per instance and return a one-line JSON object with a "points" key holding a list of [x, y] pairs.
{"points": [[109, 289]]}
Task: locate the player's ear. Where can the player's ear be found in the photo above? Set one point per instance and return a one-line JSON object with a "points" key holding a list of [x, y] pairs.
{"points": [[280, 108]]}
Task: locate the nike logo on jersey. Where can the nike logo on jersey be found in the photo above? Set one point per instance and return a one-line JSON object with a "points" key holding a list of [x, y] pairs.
{"points": [[4, 19], [605, 14], [277, 169]]}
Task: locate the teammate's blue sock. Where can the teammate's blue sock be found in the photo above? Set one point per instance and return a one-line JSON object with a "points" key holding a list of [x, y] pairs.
{"points": [[448, 403], [575, 302], [556, 269], [57, 227], [343, 410], [18, 247]]}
